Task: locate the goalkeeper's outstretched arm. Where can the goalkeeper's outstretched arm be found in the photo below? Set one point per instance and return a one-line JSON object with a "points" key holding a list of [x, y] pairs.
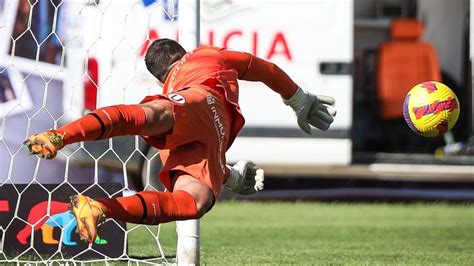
{"points": [[252, 68], [310, 109]]}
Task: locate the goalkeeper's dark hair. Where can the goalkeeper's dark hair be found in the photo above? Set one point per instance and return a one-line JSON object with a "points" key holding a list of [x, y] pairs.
{"points": [[161, 54]]}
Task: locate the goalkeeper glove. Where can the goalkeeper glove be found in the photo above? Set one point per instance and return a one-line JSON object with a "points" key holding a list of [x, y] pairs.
{"points": [[312, 110], [245, 178], [46, 144]]}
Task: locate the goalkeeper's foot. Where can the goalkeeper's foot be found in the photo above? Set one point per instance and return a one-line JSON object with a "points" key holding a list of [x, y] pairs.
{"points": [[245, 178], [89, 214]]}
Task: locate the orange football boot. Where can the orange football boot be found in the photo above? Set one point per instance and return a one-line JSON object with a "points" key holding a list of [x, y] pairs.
{"points": [[89, 214]]}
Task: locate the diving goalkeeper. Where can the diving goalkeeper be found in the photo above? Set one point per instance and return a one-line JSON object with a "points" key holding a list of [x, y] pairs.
{"points": [[193, 123]]}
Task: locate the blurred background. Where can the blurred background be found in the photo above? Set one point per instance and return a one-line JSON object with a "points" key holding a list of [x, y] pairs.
{"points": [[61, 59]]}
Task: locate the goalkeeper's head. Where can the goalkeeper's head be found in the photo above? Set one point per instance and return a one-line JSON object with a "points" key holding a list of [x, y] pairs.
{"points": [[161, 55]]}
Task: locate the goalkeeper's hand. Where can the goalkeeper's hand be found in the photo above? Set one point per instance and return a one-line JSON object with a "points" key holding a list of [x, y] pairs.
{"points": [[317, 111], [245, 178], [46, 145]]}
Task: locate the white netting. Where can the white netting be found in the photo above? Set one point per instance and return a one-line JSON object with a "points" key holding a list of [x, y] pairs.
{"points": [[57, 59]]}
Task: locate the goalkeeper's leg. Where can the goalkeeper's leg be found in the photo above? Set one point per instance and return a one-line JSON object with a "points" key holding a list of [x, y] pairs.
{"points": [[189, 200]]}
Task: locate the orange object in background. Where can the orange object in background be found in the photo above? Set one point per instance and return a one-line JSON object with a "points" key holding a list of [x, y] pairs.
{"points": [[4, 206], [91, 83], [403, 62]]}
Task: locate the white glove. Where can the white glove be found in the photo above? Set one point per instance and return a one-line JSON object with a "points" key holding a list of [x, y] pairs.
{"points": [[312, 110], [245, 178]]}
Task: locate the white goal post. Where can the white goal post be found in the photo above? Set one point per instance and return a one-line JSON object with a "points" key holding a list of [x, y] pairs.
{"points": [[188, 247]]}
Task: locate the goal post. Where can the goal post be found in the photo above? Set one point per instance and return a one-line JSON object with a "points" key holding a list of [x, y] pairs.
{"points": [[188, 246]]}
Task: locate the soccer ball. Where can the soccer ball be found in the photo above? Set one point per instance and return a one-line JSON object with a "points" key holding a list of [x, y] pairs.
{"points": [[431, 109]]}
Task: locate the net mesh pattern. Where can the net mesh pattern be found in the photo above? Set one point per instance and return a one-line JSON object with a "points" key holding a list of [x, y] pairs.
{"points": [[60, 59]]}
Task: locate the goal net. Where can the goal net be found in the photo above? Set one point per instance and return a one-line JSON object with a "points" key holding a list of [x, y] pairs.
{"points": [[60, 59]]}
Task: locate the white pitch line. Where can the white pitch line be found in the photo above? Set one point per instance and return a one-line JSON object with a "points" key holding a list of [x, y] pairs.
{"points": [[422, 169]]}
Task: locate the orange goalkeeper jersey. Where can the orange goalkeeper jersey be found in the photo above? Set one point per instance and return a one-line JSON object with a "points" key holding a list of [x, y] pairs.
{"points": [[220, 69]]}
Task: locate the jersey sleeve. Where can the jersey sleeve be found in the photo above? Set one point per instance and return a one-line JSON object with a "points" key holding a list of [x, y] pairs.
{"points": [[252, 68]]}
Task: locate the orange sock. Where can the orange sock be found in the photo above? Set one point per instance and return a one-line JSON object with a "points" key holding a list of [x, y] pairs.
{"points": [[151, 207], [104, 123]]}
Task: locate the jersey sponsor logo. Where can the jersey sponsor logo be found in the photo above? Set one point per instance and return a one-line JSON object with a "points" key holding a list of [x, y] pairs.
{"points": [[177, 98], [218, 123], [220, 131]]}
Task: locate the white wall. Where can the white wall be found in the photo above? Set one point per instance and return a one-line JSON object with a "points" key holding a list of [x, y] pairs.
{"points": [[444, 22]]}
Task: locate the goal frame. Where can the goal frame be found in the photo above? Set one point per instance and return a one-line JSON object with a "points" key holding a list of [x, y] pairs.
{"points": [[188, 232]]}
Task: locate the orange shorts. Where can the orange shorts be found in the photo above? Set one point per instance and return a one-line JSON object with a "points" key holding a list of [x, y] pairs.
{"points": [[199, 138]]}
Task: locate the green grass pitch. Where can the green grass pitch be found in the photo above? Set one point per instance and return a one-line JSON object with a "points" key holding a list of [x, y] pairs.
{"points": [[276, 233]]}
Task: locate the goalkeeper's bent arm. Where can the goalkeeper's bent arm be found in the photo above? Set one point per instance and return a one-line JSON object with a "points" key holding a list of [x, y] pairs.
{"points": [[310, 109]]}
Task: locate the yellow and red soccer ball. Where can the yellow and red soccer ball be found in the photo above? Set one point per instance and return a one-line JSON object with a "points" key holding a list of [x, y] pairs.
{"points": [[431, 109]]}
